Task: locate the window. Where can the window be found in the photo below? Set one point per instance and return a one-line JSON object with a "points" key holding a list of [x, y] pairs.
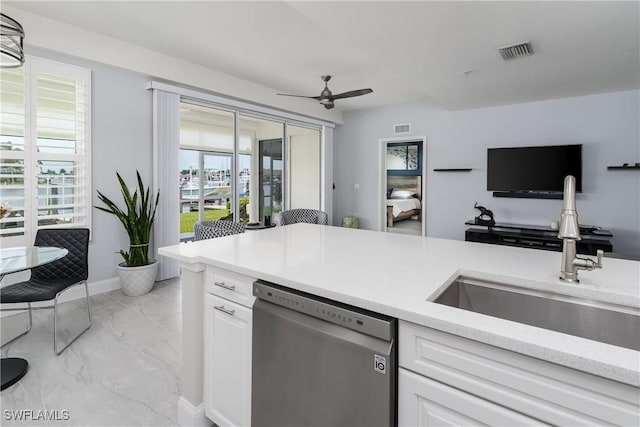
{"points": [[44, 148]]}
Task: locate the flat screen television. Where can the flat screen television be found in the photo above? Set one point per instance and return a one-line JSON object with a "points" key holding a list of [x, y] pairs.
{"points": [[533, 169]]}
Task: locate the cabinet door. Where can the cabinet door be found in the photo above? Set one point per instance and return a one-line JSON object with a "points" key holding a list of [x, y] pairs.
{"points": [[227, 363], [423, 402]]}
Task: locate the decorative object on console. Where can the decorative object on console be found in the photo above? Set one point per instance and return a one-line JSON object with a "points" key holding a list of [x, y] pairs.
{"points": [[137, 273], [11, 40], [485, 217]]}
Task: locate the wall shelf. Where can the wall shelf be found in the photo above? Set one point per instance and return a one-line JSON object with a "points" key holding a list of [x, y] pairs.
{"points": [[622, 167], [453, 170]]}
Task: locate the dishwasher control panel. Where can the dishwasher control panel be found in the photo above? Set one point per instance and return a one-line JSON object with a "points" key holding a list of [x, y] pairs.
{"points": [[331, 311]]}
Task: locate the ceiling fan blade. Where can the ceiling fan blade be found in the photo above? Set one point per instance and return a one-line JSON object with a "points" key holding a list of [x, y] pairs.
{"points": [[351, 93], [299, 96]]}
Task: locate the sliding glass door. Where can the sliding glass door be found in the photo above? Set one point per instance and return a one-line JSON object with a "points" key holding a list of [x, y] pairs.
{"points": [[243, 167], [263, 149], [206, 165], [271, 176]]}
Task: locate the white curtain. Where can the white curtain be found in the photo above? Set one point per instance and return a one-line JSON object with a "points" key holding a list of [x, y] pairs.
{"points": [[166, 146]]}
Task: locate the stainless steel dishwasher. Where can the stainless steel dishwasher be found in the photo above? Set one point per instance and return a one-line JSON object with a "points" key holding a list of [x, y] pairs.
{"points": [[317, 362]]}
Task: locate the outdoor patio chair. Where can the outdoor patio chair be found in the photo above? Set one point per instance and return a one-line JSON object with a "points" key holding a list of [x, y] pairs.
{"points": [[212, 229], [311, 216]]}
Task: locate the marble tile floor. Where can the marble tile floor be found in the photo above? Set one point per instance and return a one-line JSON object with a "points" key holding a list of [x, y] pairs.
{"points": [[124, 371]]}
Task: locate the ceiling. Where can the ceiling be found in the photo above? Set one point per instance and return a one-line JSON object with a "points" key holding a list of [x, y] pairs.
{"points": [[444, 53]]}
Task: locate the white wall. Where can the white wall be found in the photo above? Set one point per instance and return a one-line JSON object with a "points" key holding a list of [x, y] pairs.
{"points": [[121, 141], [607, 124]]}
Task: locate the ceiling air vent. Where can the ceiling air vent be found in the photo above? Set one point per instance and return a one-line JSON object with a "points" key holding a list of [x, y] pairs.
{"points": [[403, 128], [515, 51]]}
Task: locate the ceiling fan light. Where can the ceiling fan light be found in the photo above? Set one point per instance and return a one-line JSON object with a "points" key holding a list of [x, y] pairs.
{"points": [[11, 42]]}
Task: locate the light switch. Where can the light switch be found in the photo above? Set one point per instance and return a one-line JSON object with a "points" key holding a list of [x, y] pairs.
{"points": [[356, 187]]}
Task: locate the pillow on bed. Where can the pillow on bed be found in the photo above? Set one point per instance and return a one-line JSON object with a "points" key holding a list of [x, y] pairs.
{"points": [[402, 194], [389, 191]]}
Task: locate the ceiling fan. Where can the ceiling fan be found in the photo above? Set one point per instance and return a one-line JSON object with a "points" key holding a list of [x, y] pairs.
{"points": [[326, 98]]}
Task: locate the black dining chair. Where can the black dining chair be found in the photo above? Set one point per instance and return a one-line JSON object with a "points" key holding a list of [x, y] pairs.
{"points": [[48, 281]]}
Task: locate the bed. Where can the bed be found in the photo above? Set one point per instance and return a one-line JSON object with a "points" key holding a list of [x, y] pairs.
{"points": [[399, 209], [404, 199]]}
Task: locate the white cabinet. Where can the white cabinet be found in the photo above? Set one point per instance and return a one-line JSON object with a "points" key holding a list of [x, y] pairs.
{"points": [[551, 393], [229, 285], [227, 353], [423, 402]]}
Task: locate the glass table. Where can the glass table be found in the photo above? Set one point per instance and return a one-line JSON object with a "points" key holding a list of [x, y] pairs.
{"points": [[259, 226], [13, 260]]}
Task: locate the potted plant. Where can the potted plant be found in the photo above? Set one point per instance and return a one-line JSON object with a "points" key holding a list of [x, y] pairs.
{"points": [[137, 273]]}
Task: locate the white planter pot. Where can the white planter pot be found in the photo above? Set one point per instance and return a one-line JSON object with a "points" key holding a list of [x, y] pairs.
{"points": [[137, 281]]}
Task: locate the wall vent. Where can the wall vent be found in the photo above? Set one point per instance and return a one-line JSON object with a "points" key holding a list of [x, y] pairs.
{"points": [[516, 51], [403, 128]]}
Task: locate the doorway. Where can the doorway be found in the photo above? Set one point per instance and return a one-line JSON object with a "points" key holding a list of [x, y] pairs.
{"points": [[402, 185]]}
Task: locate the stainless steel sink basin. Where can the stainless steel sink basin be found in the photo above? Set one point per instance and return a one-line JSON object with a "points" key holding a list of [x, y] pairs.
{"points": [[600, 321]]}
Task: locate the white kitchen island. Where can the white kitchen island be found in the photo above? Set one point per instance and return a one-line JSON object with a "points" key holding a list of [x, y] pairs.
{"points": [[394, 275]]}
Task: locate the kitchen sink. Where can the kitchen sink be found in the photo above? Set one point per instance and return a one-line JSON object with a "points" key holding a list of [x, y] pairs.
{"points": [[595, 320]]}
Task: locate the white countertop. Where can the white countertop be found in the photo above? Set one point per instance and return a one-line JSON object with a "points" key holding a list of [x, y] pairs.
{"points": [[395, 274]]}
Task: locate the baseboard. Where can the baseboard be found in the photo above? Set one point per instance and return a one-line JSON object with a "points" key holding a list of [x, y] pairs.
{"points": [[74, 293], [190, 415]]}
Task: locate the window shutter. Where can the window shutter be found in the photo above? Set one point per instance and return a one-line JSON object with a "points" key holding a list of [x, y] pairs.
{"points": [[61, 144], [13, 151], [44, 147]]}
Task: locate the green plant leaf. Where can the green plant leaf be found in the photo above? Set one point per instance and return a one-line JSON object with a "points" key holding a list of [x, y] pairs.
{"points": [[137, 218]]}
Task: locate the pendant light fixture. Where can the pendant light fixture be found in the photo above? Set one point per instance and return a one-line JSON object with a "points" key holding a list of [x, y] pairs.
{"points": [[11, 38]]}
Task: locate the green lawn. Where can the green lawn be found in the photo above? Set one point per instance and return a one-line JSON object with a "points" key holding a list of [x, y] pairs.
{"points": [[187, 219]]}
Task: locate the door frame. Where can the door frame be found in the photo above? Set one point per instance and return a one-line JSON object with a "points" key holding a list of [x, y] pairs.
{"points": [[382, 179]]}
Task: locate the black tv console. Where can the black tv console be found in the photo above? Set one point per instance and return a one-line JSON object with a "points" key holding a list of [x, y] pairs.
{"points": [[537, 237]]}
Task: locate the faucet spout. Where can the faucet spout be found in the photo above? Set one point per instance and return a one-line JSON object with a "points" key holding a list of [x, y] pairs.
{"points": [[569, 228], [569, 232]]}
